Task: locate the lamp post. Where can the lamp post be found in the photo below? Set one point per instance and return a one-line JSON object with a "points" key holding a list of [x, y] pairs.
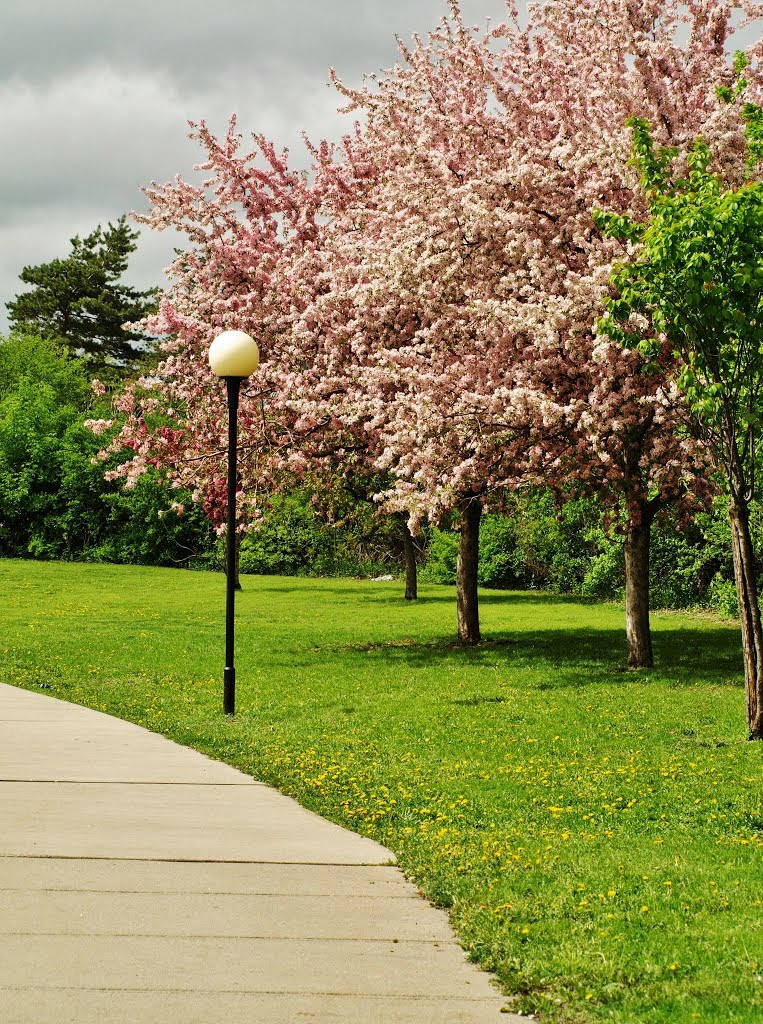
{"points": [[234, 356]]}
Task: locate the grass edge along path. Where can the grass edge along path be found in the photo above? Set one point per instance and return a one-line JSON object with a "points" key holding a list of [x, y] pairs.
{"points": [[596, 834]]}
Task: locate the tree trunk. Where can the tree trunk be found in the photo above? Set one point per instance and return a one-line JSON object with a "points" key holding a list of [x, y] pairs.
{"points": [[409, 552], [466, 571], [637, 593], [749, 614]]}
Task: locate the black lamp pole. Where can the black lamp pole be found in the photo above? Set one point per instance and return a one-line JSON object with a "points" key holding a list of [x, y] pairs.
{"points": [[233, 385], [233, 355]]}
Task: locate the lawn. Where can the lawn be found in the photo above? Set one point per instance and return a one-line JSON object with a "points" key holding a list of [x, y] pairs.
{"points": [[597, 834]]}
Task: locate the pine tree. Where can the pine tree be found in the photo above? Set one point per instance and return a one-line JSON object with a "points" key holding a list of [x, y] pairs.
{"points": [[80, 300]]}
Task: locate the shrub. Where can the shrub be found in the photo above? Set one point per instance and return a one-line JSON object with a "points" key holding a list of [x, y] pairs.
{"points": [[54, 503], [294, 539]]}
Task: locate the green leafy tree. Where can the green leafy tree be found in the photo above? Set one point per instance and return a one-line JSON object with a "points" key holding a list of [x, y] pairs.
{"points": [[41, 393], [695, 283], [54, 500], [81, 301]]}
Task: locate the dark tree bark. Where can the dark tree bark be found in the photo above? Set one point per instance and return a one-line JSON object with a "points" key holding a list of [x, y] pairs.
{"points": [[749, 613], [409, 553], [466, 570], [637, 627]]}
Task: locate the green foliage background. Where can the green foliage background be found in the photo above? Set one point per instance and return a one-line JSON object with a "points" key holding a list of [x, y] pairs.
{"points": [[54, 501], [540, 545], [295, 540], [55, 504]]}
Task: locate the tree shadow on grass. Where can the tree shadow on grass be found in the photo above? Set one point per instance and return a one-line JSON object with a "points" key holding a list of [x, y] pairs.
{"points": [[348, 589], [705, 654], [578, 657]]}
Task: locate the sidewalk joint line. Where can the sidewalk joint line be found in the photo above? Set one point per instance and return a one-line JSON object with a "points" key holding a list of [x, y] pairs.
{"points": [[238, 893], [258, 992], [196, 860], [131, 782], [196, 936]]}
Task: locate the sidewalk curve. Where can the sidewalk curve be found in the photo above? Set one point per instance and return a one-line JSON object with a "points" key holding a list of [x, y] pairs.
{"points": [[142, 882]]}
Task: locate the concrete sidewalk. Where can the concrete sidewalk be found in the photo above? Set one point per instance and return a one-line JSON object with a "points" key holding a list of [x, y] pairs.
{"points": [[141, 882]]}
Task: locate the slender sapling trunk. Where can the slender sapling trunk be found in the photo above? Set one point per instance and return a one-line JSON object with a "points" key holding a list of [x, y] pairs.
{"points": [[749, 614], [466, 570]]}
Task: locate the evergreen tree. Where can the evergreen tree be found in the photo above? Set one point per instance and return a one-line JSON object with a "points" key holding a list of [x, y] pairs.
{"points": [[80, 300]]}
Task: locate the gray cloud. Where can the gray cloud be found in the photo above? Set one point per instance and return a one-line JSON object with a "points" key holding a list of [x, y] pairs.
{"points": [[195, 41], [95, 98]]}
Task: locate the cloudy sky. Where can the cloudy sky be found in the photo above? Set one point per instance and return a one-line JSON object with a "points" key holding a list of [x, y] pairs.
{"points": [[95, 97]]}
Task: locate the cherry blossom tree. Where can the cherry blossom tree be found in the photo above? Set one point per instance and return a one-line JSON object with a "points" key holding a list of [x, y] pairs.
{"points": [[425, 296], [246, 226], [253, 260], [483, 245], [665, 61]]}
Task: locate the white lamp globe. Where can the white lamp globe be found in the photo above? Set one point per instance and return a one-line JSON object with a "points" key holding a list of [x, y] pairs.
{"points": [[234, 354]]}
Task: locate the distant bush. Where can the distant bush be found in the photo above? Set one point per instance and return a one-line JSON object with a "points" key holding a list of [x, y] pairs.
{"points": [[535, 545], [54, 502], [294, 539], [539, 545]]}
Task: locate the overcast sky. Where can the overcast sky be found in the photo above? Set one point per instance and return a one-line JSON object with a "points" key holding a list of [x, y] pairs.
{"points": [[95, 97]]}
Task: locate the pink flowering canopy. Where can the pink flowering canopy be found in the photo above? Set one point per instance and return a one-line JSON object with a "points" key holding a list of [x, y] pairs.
{"points": [[425, 295]]}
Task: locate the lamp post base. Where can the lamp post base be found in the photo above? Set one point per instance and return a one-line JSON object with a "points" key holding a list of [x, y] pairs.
{"points": [[229, 690]]}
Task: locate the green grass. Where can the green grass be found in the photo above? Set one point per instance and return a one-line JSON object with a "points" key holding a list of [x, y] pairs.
{"points": [[597, 834]]}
